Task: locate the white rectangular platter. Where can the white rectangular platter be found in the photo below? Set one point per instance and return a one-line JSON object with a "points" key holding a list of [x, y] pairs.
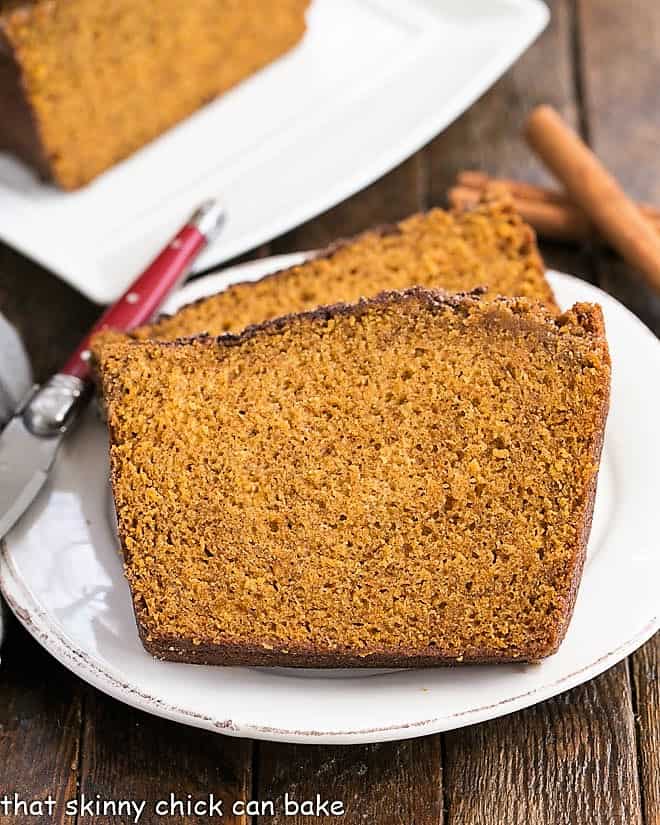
{"points": [[372, 81]]}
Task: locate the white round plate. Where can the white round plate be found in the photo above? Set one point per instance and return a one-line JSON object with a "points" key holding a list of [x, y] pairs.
{"points": [[62, 576]]}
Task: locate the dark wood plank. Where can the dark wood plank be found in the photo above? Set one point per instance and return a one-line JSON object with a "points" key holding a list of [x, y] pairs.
{"points": [[397, 783], [553, 763], [40, 722], [567, 761], [50, 316], [130, 755], [646, 689], [488, 136], [620, 45], [40, 702]]}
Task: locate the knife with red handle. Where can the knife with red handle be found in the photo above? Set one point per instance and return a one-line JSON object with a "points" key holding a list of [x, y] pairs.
{"points": [[29, 443], [145, 296]]}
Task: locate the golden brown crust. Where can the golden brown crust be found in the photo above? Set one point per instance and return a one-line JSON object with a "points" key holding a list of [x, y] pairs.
{"points": [[290, 290], [488, 246], [592, 317], [237, 655]]}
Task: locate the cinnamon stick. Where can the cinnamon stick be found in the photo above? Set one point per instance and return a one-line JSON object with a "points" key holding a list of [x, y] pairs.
{"points": [[594, 189], [519, 189], [562, 222], [529, 191]]}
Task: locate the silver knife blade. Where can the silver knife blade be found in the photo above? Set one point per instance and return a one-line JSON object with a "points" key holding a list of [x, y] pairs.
{"points": [[29, 443], [25, 460]]}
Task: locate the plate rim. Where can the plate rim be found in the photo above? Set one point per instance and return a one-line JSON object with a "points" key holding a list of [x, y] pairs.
{"points": [[32, 616]]}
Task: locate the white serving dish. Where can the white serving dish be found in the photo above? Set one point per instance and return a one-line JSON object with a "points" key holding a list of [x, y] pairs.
{"points": [[372, 81]]}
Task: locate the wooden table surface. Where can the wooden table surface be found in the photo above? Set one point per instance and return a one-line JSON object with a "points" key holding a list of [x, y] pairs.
{"points": [[591, 755]]}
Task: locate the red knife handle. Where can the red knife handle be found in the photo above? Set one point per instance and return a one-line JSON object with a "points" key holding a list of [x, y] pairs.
{"points": [[143, 298]]}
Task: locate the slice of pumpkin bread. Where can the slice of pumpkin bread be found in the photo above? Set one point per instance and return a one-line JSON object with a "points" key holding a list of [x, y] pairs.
{"points": [[85, 83], [408, 480], [487, 246]]}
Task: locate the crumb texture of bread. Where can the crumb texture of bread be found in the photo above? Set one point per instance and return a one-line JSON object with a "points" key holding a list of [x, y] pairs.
{"points": [[406, 480], [98, 80], [487, 246]]}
